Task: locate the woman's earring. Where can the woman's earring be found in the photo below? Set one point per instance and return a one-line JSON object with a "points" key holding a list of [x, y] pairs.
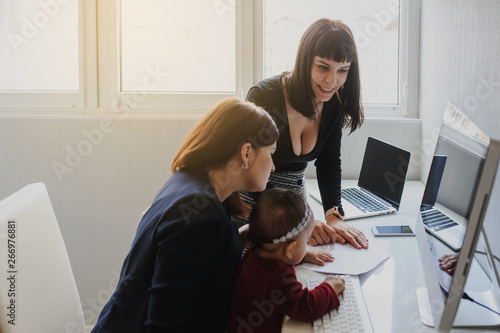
{"points": [[244, 167]]}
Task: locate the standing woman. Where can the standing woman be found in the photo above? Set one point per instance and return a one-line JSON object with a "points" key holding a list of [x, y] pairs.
{"points": [[310, 105], [179, 274]]}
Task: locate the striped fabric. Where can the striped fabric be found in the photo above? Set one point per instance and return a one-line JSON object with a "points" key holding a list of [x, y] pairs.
{"points": [[293, 180]]}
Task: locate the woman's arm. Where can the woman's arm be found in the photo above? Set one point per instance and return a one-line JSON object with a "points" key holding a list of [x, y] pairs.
{"points": [[187, 252], [328, 163], [329, 175]]}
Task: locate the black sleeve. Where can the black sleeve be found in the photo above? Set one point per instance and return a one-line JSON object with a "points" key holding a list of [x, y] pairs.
{"points": [[187, 251], [257, 96], [329, 171]]}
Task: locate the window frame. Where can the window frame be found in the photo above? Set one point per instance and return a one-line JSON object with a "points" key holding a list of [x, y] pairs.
{"points": [[86, 96], [99, 69], [110, 95]]}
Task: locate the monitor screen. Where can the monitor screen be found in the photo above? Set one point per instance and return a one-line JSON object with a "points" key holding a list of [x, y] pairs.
{"points": [[462, 169], [452, 211], [453, 178]]}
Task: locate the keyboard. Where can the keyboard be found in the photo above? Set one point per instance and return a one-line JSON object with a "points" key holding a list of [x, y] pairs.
{"points": [[436, 220], [351, 316], [362, 201]]}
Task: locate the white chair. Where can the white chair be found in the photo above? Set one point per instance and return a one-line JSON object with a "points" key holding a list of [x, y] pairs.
{"points": [[38, 290]]}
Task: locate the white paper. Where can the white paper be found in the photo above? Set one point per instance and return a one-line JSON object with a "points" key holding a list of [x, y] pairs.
{"points": [[348, 260], [444, 278]]}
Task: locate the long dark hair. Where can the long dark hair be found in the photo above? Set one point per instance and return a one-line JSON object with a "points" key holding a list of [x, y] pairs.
{"points": [[220, 134], [329, 39]]}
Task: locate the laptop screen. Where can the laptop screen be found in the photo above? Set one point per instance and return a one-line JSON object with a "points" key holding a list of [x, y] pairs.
{"points": [[434, 180], [384, 170], [462, 171]]}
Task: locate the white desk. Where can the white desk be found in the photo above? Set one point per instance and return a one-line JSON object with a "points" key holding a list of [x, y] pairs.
{"points": [[390, 290]]}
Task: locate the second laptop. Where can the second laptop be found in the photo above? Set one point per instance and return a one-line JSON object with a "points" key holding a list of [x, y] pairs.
{"points": [[381, 181]]}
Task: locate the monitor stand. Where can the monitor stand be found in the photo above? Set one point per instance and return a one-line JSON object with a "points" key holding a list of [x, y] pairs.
{"points": [[424, 307], [469, 314], [490, 256]]}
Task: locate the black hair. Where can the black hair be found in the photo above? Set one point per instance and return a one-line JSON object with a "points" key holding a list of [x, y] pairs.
{"points": [[329, 39]]}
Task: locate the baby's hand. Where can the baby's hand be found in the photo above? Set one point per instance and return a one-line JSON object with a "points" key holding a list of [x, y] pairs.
{"points": [[318, 257], [336, 282]]}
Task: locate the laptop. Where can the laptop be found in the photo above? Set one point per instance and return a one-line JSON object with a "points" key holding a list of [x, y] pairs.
{"points": [[444, 226], [381, 182]]}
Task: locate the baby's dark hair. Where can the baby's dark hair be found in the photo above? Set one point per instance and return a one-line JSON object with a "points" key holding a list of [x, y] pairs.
{"points": [[276, 212]]}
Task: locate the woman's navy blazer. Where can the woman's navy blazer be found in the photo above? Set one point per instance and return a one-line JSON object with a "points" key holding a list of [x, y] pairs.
{"points": [[179, 273]]}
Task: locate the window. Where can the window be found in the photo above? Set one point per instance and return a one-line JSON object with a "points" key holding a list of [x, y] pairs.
{"points": [[373, 23], [158, 55], [39, 52], [36, 55], [377, 27], [185, 56], [189, 40]]}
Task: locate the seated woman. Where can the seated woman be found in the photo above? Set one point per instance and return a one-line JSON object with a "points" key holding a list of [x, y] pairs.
{"points": [[179, 273]]}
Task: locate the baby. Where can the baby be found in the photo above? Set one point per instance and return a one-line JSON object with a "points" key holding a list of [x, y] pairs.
{"points": [[266, 289]]}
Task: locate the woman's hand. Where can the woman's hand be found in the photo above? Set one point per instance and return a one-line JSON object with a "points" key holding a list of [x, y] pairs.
{"points": [[447, 262], [322, 234], [347, 233], [318, 257]]}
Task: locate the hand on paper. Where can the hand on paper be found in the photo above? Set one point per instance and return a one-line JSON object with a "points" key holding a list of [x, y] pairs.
{"points": [[322, 233], [336, 282], [318, 257], [347, 233]]}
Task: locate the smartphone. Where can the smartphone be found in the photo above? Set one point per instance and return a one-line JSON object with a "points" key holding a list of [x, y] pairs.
{"points": [[393, 230]]}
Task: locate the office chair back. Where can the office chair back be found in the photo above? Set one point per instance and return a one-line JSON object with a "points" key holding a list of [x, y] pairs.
{"points": [[38, 290]]}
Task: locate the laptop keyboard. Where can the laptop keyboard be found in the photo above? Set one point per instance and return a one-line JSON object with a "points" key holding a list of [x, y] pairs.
{"points": [[360, 200], [436, 220], [347, 317]]}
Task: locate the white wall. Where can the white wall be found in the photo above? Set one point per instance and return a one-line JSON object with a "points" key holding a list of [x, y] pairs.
{"points": [[460, 63]]}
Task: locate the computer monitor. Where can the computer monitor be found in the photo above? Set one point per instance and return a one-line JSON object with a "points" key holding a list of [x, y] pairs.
{"points": [[453, 179], [465, 187]]}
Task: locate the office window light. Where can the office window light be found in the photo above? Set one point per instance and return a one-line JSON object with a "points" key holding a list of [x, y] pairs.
{"points": [[191, 42], [183, 57], [39, 46], [375, 26]]}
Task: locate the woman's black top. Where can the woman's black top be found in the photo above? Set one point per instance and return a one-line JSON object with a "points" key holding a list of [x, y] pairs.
{"points": [[268, 94]]}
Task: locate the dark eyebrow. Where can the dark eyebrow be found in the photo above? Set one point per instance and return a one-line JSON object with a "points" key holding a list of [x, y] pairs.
{"points": [[327, 65], [323, 63]]}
